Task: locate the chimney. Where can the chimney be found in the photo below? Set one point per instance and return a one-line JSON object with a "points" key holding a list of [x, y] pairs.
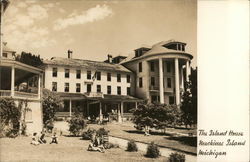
{"points": [[70, 54], [109, 58]]}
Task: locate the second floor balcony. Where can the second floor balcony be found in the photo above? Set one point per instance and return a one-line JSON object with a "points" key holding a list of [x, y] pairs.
{"points": [[19, 80]]}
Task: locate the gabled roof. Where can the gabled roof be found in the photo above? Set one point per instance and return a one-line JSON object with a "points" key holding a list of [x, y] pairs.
{"points": [[7, 49], [87, 64]]}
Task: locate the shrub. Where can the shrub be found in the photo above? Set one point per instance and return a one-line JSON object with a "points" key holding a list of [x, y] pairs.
{"points": [[132, 147], [111, 145], [102, 131], [10, 116], [87, 135], [152, 150], [76, 125], [176, 157], [51, 103]]}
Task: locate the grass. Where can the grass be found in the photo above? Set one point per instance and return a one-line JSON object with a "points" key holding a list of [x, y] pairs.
{"points": [[69, 149], [127, 131]]}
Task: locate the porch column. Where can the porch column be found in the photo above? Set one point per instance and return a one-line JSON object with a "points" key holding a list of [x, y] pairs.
{"points": [[187, 70], [87, 108], [12, 80], [119, 118], [182, 78], [136, 105], [70, 108], [122, 110], [177, 84], [161, 81], [100, 112], [39, 86]]}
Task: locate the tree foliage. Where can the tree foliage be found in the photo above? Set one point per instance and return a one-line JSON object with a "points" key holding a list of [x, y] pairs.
{"points": [[51, 103], [155, 115], [29, 59], [10, 115], [77, 123], [189, 100]]}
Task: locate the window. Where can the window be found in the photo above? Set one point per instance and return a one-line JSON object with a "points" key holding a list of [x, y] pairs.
{"points": [[140, 83], [98, 88], [118, 77], [140, 67], [152, 66], [171, 100], [88, 87], [108, 89], [118, 90], [78, 87], [66, 73], [128, 78], [108, 76], [154, 99], [5, 55], [78, 74], [168, 67], [152, 81], [98, 75], [54, 86], [66, 87], [88, 74], [128, 91], [169, 82], [54, 73]]}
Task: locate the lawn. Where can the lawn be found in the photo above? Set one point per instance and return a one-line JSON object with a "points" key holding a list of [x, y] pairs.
{"points": [[169, 140], [69, 149]]}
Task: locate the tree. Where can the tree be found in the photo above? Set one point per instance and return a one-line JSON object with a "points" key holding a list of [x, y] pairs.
{"points": [[29, 59], [51, 103], [77, 123], [189, 100], [10, 115], [143, 117], [154, 115]]}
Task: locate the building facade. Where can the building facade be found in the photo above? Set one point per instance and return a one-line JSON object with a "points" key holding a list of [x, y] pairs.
{"points": [[155, 74], [96, 88], [159, 71], [23, 83]]}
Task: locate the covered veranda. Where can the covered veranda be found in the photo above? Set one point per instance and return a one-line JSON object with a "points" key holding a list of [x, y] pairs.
{"points": [[111, 107], [19, 80]]}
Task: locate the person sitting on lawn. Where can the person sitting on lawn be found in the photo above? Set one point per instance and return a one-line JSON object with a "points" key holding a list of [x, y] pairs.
{"points": [[41, 138], [34, 139], [95, 148], [54, 138]]}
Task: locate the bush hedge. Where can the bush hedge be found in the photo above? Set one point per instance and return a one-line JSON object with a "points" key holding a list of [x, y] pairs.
{"points": [[132, 147], [152, 150], [176, 157]]}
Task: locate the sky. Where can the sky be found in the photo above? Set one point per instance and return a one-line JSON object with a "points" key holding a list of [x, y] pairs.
{"points": [[94, 28]]}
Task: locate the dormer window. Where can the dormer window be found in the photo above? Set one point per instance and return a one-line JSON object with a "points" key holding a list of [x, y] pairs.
{"points": [[140, 51], [175, 46]]}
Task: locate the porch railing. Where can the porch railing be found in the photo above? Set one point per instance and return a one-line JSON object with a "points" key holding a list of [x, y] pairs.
{"points": [[154, 88], [25, 94], [5, 92], [94, 94]]}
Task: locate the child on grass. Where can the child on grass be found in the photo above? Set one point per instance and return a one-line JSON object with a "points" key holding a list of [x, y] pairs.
{"points": [[54, 138], [34, 139]]}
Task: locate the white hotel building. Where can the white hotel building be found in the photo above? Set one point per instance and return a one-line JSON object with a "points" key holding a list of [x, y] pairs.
{"points": [[96, 88], [116, 85]]}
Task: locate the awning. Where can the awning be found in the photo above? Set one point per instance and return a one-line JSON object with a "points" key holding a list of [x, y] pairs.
{"points": [[71, 96], [120, 98]]}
